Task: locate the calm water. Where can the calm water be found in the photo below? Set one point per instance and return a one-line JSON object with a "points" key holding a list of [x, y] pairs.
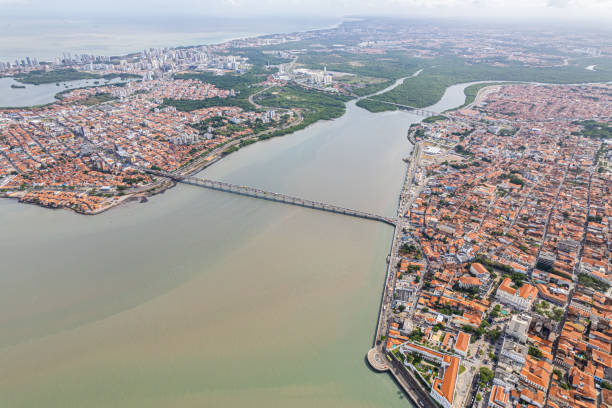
{"points": [[49, 37], [33, 95], [203, 298]]}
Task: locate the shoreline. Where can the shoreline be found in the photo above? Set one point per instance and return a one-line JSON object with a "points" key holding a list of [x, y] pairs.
{"points": [[163, 184]]}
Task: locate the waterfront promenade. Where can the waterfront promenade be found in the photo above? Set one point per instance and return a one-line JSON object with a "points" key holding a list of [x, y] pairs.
{"points": [[378, 358]]}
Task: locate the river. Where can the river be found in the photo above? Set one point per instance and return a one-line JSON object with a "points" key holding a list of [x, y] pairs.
{"points": [[203, 298]]}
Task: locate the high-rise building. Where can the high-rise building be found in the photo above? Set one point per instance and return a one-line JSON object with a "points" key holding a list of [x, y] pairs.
{"points": [[518, 327]]}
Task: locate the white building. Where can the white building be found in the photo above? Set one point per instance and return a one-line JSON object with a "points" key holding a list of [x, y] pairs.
{"points": [[520, 299], [518, 327]]}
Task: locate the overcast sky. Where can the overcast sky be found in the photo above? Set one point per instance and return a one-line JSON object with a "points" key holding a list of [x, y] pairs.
{"points": [[555, 9]]}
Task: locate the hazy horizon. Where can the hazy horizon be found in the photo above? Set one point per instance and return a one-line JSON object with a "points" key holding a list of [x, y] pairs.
{"points": [[505, 9]]}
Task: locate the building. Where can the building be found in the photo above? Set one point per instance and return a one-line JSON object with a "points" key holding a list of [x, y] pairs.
{"points": [[518, 327], [499, 398], [443, 389], [478, 270], [462, 343], [467, 282], [514, 351], [520, 299], [536, 373]]}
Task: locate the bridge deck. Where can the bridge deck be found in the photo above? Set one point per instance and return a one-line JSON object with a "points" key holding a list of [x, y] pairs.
{"points": [[267, 195]]}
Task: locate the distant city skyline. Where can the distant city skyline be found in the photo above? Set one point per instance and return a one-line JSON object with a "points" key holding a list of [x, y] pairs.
{"points": [[553, 9]]}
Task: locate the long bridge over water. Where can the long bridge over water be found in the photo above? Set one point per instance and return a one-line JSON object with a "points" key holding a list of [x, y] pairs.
{"points": [[271, 196]]}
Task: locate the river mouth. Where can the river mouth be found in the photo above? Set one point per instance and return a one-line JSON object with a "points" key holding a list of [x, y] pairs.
{"points": [[206, 298]]}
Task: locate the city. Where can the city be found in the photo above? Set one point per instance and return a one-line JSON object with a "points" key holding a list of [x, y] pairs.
{"points": [[240, 198]]}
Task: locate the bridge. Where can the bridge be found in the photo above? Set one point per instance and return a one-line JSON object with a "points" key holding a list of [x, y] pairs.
{"points": [[267, 195], [412, 109]]}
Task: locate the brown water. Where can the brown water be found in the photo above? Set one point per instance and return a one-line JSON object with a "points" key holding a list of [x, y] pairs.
{"points": [[203, 298]]}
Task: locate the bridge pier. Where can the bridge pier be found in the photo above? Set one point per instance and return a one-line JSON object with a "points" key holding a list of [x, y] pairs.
{"points": [[262, 194]]}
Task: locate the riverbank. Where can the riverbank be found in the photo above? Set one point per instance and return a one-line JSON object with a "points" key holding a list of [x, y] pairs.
{"points": [[301, 118], [411, 188], [209, 286]]}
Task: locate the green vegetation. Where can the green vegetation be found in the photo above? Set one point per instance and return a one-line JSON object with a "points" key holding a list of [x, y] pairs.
{"points": [[472, 91], [461, 369], [440, 73], [478, 397], [243, 86], [491, 264], [535, 352], [433, 119], [230, 150], [416, 335], [495, 313], [462, 150], [410, 250], [392, 66], [314, 105], [97, 99], [594, 218], [37, 77], [543, 308], [486, 376], [257, 57], [188, 105], [591, 282], [594, 129], [493, 335], [514, 179], [375, 106]]}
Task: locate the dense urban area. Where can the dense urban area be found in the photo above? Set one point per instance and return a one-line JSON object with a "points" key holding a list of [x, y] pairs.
{"points": [[498, 287]]}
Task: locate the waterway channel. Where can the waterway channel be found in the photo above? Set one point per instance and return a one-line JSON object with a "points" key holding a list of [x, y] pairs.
{"points": [[203, 298]]}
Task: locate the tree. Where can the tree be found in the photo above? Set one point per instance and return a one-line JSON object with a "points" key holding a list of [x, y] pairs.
{"points": [[534, 352], [493, 335], [495, 312], [416, 335], [478, 397], [486, 375]]}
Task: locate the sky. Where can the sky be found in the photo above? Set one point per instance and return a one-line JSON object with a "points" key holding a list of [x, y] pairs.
{"points": [[553, 9]]}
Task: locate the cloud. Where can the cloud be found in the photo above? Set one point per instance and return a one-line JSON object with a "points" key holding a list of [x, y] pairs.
{"points": [[558, 3], [327, 8]]}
